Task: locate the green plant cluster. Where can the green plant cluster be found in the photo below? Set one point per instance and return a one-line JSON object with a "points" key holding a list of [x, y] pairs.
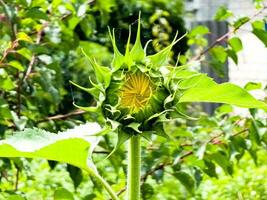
{"points": [[42, 47]]}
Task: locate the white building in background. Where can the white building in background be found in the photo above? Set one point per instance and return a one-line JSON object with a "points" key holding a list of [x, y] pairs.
{"points": [[253, 59]]}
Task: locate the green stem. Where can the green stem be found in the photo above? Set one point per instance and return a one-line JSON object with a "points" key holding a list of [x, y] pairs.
{"points": [[105, 185], [134, 168]]}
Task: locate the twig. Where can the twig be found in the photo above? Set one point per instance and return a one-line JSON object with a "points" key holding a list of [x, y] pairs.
{"points": [[63, 116], [17, 178], [225, 36], [33, 58], [18, 89]]}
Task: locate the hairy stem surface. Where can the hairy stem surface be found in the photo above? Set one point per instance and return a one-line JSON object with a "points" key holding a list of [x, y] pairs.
{"points": [[134, 168]]}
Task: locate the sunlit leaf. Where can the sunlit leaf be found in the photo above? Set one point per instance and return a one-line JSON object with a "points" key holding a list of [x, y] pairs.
{"points": [[222, 14], [223, 93], [63, 194], [236, 44], [73, 146]]}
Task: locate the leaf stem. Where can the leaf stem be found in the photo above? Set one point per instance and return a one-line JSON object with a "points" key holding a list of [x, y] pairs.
{"points": [[134, 168], [105, 185]]}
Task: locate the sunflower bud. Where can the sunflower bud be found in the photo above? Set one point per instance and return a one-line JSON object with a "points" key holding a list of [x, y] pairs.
{"points": [[133, 95]]}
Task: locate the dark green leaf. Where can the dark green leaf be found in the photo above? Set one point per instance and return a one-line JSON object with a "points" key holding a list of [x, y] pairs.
{"points": [[232, 54], [36, 13], [259, 32], [147, 191], [239, 22], [210, 168], [223, 161], [186, 180], [75, 174]]}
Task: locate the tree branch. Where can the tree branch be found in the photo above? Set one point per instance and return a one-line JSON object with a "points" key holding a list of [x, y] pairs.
{"points": [[225, 36], [33, 59], [63, 116]]}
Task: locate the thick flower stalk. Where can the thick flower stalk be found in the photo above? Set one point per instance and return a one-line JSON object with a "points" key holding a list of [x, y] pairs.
{"points": [[138, 93]]}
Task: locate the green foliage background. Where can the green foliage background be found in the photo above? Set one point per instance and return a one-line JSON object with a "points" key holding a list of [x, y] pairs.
{"points": [[40, 48]]}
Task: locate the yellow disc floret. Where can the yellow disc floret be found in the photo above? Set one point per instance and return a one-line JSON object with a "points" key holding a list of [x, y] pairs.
{"points": [[136, 91]]}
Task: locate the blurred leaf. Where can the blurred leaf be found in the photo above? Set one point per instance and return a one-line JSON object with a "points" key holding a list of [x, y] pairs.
{"points": [[147, 191], [158, 175], [187, 181], [236, 44], [25, 53], [239, 22], [89, 197], [222, 14], [6, 83], [258, 4], [232, 54], [224, 109], [4, 110], [15, 197], [254, 132], [36, 13], [16, 64], [259, 32], [219, 53], [63, 194], [20, 122], [252, 86], [75, 174], [223, 162], [198, 30], [23, 36]]}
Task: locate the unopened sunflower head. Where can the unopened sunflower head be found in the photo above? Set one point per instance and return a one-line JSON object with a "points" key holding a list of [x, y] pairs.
{"points": [[139, 94], [135, 94]]}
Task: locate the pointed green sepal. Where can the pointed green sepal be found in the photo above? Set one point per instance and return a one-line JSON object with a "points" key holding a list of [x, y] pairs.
{"points": [[103, 74], [93, 91], [161, 58], [118, 58], [134, 126], [147, 135], [137, 53], [122, 138], [127, 58], [88, 109]]}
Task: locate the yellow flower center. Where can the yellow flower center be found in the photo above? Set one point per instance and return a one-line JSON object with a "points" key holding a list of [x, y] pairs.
{"points": [[136, 91]]}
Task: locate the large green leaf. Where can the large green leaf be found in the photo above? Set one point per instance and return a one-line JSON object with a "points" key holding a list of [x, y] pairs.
{"points": [[222, 93], [73, 146]]}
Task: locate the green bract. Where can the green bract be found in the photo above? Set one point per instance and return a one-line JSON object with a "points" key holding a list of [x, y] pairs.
{"points": [[138, 92]]}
